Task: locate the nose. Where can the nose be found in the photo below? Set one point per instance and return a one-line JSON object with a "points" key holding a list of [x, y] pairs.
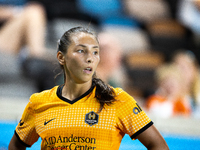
{"points": [[89, 58]]}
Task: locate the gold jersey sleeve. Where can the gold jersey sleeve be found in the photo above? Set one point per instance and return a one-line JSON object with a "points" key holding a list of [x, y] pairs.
{"points": [[25, 130], [131, 119], [77, 125]]}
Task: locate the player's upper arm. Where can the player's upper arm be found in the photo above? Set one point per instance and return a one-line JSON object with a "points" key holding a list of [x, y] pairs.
{"points": [[152, 139], [15, 144]]}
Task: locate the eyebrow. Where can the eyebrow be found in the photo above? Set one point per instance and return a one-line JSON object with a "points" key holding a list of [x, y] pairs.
{"points": [[86, 46]]}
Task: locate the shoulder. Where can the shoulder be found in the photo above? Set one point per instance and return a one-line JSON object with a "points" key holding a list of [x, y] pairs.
{"points": [[126, 105], [123, 98], [122, 95], [44, 95]]}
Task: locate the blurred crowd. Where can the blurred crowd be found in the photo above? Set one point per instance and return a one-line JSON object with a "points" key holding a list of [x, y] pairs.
{"points": [[150, 48], [178, 86]]}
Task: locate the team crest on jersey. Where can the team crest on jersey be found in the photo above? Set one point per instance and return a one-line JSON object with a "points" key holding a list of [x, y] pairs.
{"points": [[91, 118]]}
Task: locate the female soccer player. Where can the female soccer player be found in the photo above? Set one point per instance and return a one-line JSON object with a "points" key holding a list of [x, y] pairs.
{"points": [[84, 113]]}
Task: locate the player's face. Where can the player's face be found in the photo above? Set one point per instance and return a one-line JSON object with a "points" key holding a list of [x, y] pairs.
{"points": [[82, 57], [186, 65]]}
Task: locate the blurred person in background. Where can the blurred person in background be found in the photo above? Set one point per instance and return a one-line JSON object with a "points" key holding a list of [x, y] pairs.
{"points": [[110, 66], [22, 35], [23, 26], [165, 31], [187, 63], [189, 14], [168, 100]]}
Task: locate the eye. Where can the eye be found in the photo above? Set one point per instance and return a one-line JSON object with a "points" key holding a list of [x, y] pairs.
{"points": [[96, 52], [80, 51]]}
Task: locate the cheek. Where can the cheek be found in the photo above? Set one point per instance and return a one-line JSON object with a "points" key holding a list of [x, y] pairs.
{"points": [[97, 60], [72, 63]]}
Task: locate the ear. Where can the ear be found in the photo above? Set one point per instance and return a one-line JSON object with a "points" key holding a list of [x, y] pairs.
{"points": [[61, 57]]}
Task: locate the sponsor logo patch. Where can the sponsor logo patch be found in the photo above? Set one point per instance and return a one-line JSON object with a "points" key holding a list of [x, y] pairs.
{"points": [[46, 122], [137, 110]]}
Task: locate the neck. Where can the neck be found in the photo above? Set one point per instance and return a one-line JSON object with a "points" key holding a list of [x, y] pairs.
{"points": [[169, 96], [72, 90]]}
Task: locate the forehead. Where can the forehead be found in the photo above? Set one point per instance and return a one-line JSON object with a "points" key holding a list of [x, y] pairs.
{"points": [[184, 59], [83, 38]]}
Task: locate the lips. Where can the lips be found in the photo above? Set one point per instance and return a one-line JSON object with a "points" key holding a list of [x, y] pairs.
{"points": [[88, 70]]}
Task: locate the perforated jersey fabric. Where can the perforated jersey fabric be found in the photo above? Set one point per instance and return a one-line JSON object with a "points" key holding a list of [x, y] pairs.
{"points": [[77, 125]]}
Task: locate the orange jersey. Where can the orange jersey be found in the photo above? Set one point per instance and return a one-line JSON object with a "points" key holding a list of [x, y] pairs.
{"points": [[178, 107], [76, 125], [181, 107], [154, 99]]}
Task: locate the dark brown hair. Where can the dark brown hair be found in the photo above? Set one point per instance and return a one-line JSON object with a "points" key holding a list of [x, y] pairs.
{"points": [[104, 93]]}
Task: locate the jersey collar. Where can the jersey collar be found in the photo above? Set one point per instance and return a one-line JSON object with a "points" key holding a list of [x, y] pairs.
{"points": [[59, 94]]}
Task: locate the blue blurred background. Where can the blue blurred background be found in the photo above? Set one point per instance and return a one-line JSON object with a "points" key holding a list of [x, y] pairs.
{"points": [[175, 142]]}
